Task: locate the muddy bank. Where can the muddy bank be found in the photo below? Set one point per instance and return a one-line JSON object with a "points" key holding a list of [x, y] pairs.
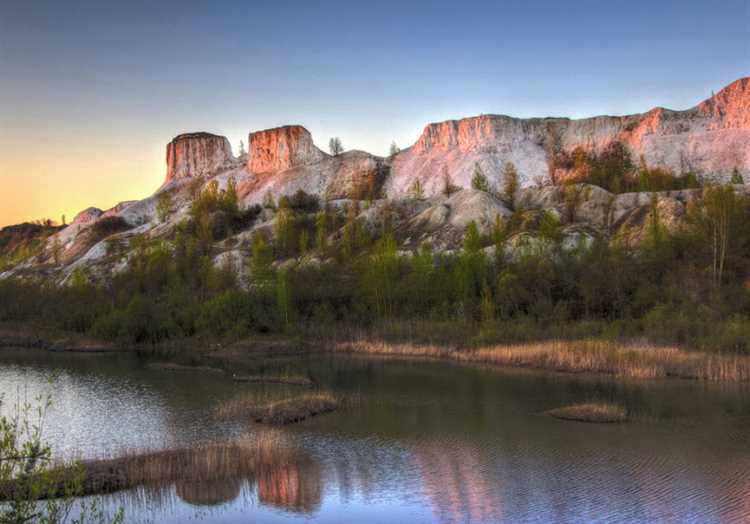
{"points": [[29, 338]]}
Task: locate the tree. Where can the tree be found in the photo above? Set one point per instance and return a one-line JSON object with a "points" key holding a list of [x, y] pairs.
{"points": [[354, 235], [472, 239], [335, 147], [714, 216], [229, 200], [36, 489], [479, 180], [417, 190], [380, 275], [487, 304], [736, 177], [268, 202], [285, 229], [322, 220], [395, 150], [164, 206], [261, 262], [510, 184], [448, 187], [283, 296]]}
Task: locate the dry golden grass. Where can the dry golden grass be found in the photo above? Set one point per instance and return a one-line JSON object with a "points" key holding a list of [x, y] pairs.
{"points": [[240, 459], [277, 412], [601, 412], [632, 360]]}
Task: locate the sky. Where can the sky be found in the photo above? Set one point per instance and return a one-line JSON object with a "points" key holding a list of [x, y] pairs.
{"points": [[91, 92]]}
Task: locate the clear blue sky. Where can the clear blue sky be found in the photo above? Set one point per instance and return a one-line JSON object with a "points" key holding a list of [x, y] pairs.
{"points": [[90, 92]]}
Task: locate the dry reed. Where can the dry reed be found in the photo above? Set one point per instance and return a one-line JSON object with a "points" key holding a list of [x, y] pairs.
{"points": [[278, 412], [631, 360]]}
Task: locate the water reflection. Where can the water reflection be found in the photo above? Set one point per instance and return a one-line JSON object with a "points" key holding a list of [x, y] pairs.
{"points": [[207, 492], [295, 487], [456, 483], [426, 443]]}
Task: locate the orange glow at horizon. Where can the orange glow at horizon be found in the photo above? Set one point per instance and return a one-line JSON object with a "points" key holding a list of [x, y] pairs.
{"points": [[64, 177]]}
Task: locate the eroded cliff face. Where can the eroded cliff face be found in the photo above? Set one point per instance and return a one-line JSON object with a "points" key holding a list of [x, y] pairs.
{"points": [[280, 149], [197, 154], [711, 139]]}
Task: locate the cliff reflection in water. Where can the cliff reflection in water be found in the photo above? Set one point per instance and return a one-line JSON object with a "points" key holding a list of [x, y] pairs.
{"points": [[456, 483]]}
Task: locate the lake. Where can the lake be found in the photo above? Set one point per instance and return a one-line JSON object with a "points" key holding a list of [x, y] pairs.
{"points": [[420, 441]]}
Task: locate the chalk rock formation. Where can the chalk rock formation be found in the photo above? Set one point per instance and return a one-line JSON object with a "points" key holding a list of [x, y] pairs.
{"points": [[197, 154], [284, 160], [280, 149], [710, 139], [88, 215]]}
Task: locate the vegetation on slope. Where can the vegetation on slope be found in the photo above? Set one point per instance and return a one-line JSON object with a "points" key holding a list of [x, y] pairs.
{"points": [[321, 270]]}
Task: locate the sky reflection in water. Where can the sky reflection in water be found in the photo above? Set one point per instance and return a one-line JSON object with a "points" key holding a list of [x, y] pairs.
{"points": [[426, 443]]}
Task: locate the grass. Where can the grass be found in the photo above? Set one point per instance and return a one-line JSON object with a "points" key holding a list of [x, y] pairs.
{"points": [[601, 412], [279, 412], [628, 360]]}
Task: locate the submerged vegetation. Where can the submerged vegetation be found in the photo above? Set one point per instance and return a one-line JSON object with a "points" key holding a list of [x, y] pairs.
{"points": [[599, 412]]}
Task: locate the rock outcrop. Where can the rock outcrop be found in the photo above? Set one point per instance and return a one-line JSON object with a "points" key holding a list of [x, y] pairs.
{"points": [[197, 154], [280, 149], [711, 139]]}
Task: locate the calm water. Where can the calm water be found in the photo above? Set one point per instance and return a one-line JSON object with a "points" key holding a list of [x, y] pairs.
{"points": [[426, 442]]}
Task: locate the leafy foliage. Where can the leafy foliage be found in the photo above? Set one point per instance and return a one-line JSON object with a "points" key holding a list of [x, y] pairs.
{"points": [[688, 286]]}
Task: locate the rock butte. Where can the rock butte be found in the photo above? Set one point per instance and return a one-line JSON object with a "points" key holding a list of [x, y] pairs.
{"points": [[197, 154]]}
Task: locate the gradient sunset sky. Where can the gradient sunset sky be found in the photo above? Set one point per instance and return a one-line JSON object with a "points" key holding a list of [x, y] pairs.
{"points": [[91, 92]]}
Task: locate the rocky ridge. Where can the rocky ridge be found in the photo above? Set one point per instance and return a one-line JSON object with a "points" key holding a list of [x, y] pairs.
{"points": [[711, 139]]}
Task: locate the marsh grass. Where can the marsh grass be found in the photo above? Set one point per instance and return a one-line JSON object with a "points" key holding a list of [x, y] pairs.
{"points": [[278, 412], [212, 462], [600, 412], [629, 360]]}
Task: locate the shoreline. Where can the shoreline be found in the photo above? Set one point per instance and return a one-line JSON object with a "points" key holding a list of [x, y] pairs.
{"points": [[629, 359]]}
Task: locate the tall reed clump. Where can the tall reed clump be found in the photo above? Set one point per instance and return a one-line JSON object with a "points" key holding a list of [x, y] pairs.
{"points": [[631, 360], [238, 459]]}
